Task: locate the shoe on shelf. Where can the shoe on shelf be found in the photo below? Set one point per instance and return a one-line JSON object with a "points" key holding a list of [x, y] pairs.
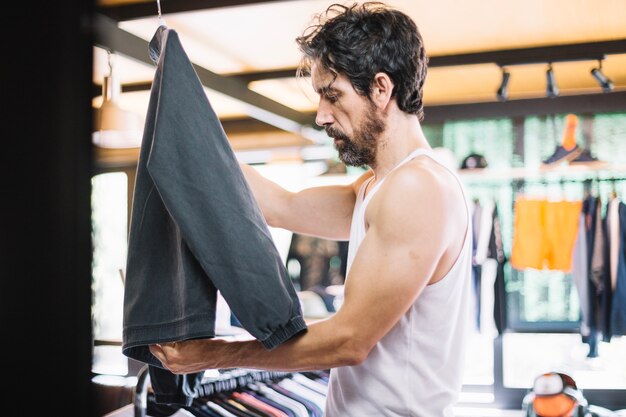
{"points": [[585, 158], [563, 155]]}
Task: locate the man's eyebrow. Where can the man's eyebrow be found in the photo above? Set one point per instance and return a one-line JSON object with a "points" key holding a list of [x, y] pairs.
{"points": [[325, 89], [328, 88]]}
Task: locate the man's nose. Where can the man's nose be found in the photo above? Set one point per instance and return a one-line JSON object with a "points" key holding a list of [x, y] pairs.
{"points": [[324, 116]]}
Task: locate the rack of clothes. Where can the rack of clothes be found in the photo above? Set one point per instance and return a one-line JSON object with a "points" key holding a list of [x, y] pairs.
{"points": [[586, 238], [239, 393], [488, 260], [599, 267]]}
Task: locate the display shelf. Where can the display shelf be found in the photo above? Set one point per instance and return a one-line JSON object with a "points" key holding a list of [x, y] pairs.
{"points": [[576, 172]]}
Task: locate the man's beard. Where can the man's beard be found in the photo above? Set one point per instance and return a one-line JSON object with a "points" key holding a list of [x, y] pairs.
{"points": [[361, 149]]}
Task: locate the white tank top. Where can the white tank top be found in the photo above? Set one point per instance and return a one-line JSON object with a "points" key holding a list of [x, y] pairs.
{"points": [[416, 369]]}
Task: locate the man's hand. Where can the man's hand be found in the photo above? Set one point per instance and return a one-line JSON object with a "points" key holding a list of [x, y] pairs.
{"points": [[189, 356]]}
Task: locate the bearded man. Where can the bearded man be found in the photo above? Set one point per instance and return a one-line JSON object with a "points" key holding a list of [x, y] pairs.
{"points": [[395, 347]]}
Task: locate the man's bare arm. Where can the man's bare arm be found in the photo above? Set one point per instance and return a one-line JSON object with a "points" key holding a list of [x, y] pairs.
{"points": [[324, 212]]}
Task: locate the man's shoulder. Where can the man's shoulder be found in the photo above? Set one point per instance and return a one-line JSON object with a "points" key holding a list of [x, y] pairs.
{"points": [[405, 189], [421, 184], [419, 174]]}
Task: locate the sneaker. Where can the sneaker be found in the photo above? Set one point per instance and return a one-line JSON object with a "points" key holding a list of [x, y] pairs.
{"points": [[586, 158], [561, 155]]}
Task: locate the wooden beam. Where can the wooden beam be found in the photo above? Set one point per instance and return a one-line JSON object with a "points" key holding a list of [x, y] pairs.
{"points": [[587, 51], [585, 103], [109, 36]]}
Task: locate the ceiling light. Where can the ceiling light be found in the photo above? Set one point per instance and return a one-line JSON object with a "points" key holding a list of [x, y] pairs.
{"points": [[552, 90], [503, 91], [115, 127], [605, 83]]}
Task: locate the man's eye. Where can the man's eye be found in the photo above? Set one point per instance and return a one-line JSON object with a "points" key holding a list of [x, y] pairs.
{"points": [[332, 98]]}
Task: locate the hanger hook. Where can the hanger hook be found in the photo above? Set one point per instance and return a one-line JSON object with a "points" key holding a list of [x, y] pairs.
{"points": [[161, 21]]}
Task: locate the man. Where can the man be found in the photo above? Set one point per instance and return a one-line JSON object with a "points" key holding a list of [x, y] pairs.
{"points": [[395, 345]]}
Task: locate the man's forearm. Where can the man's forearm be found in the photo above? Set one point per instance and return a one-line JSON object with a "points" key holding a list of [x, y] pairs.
{"points": [[323, 346]]}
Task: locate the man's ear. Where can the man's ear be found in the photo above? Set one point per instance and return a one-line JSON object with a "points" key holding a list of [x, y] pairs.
{"points": [[382, 90]]}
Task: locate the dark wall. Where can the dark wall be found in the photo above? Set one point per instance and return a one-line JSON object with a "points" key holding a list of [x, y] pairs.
{"points": [[45, 234]]}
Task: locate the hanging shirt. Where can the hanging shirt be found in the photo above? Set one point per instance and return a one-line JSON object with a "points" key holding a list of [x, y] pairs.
{"points": [[220, 410], [299, 409], [304, 392], [308, 382], [612, 216], [282, 407], [416, 369], [618, 303], [195, 229], [484, 232], [580, 275], [250, 400]]}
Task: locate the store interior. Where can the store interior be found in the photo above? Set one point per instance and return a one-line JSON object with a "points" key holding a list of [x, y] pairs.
{"points": [[526, 101]]}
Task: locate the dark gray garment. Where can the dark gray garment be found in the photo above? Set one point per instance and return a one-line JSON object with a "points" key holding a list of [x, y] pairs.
{"points": [[195, 226]]}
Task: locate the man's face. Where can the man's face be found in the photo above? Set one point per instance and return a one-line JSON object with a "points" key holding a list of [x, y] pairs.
{"points": [[351, 119]]}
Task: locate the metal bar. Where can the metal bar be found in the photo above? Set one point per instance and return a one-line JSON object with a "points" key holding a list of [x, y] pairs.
{"points": [[140, 395]]}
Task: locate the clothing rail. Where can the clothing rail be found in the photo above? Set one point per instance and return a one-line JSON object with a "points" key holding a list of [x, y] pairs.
{"points": [[587, 183], [227, 380], [140, 395], [586, 180], [575, 173]]}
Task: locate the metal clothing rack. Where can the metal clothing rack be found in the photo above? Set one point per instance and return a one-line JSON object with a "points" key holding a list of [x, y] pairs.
{"points": [[140, 395], [227, 380]]}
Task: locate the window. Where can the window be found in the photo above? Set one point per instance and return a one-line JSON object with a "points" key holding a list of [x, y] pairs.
{"points": [[109, 202]]}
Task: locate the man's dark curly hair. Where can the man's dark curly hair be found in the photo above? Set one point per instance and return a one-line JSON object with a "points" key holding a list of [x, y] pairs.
{"points": [[359, 41]]}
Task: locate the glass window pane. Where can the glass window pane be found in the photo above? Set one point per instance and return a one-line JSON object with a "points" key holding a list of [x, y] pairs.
{"points": [[109, 236]]}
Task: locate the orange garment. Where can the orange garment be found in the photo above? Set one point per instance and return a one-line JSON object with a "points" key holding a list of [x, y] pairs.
{"points": [[527, 250], [544, 234]]}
